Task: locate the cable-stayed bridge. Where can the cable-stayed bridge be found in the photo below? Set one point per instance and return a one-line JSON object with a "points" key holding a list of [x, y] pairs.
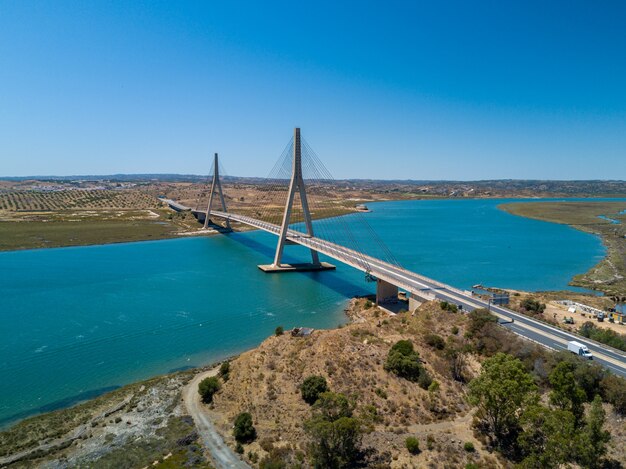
{"points": [[287, 211]]}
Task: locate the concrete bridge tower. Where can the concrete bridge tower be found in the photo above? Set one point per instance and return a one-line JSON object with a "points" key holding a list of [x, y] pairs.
{"points": [[296, 185], [215, 184]]}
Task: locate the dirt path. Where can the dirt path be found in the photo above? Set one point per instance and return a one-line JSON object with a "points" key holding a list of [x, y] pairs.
{"points": [[222, 455], [460, 424]]}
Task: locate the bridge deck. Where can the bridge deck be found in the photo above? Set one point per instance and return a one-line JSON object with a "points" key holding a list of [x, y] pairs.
{"points": [[417, 284]]}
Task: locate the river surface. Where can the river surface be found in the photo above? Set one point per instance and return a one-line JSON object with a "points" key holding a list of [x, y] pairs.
{"points": [[75, 322]]}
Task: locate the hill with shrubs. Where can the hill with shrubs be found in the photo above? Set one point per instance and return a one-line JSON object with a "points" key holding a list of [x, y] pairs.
{"points": [[436, 388]]}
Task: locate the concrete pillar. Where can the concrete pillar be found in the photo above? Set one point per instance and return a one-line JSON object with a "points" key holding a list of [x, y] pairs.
{"points": [[414, 303], [385, 290]]}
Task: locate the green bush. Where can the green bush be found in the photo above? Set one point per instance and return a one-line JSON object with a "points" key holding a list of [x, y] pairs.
{"points": [[412, 444], [312, 387], [424, 381], [403, 361], [224, 371], [478, 318], [469, 447], [244, 431], [239, 448], [208, 387], [448, 306], [335, 444], [604, 336], [433, 387], [332, 406], [435, 341], [613, 390], [533, 306], [279, 331]]}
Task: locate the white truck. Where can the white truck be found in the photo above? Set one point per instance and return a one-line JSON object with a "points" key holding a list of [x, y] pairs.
{"points": [[579, 349]]}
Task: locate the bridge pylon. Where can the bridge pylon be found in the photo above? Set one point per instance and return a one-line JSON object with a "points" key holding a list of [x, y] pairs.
{"points": [[296, 186], [215, 185]]}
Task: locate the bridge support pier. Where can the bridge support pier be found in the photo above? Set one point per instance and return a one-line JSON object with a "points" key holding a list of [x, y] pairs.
{"points": [[417, 298], [385, 291]]}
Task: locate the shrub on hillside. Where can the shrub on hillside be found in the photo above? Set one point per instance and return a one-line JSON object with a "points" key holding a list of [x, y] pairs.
{"points": [[332, 406], [403, 361], [312, 387], [279, 331], [208, 387], [451, 307], [244, 431], [613, 390], [412, 444], [224, 371], [478, 318], [533, 306], [435, 341]]}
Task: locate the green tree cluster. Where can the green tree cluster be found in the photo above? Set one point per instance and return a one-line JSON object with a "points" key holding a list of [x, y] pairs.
{"points": [[605, 336], [224, 372], [335, 434], [533, 306], [535, 435], [243, 430], [566, 393], [312, 387], [208, 387], [502, 392], [444, 305], [404, 361]]}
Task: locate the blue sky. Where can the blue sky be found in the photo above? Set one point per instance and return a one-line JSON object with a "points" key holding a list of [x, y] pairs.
{"points": [[419, 90]]}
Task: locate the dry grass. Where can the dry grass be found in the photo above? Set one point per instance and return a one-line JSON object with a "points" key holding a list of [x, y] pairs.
{"points": [[266, 381]]}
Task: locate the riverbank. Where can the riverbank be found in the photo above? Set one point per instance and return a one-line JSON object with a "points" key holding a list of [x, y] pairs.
{"points": [[161, 423], [602, 218]]}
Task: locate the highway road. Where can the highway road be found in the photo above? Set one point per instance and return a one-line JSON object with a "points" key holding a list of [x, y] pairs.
{"points": [[542, 333]]}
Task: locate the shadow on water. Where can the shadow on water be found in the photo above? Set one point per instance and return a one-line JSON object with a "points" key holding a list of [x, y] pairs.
{"points": [[340, 284], [60, 404]]}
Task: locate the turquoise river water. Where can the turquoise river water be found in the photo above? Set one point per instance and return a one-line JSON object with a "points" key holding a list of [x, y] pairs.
{"points": [[75, 322]]}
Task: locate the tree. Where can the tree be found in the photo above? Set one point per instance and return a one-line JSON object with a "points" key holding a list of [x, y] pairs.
{"points": [[332, 406], [614, 391], [312, 387], [244, 431], [566, 394], [593, 439], [334, 444], [547, 439], [403, 361], [502, 392], [224, 371], [279, 331], [208, 387], [532, 305]]}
